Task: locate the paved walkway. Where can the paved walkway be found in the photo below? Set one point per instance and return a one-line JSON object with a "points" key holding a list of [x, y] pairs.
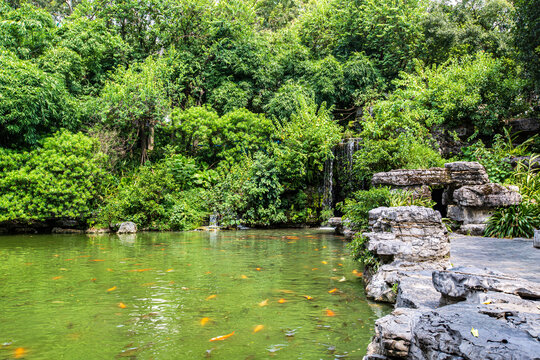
{"points": [[512, 256]]}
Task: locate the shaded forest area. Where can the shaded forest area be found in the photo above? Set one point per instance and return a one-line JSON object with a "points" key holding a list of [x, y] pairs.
{"points": [[164, 112]]}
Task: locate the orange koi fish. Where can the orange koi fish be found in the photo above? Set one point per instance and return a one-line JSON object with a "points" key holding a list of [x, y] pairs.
{"points": [[222, 337], [330, 313], [139, 270], [282, 301], [308, 297], [19, 352], [211, 297], [56, 277], [324, 262], [204, 321], [332, 291], [111, 289], [170, 270], [96, 260], [357, 273], [258, 328], [243, 276], [121, 305]]}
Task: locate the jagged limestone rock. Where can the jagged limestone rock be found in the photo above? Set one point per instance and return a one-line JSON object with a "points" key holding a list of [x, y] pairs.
{"points": [[487, 196], [405, 239], [393, 334], [466, 173], [404, 177], [459, 282], [446, 333]]}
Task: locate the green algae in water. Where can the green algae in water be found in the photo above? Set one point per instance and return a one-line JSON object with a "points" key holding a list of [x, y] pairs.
{"points": [[165, 295]]}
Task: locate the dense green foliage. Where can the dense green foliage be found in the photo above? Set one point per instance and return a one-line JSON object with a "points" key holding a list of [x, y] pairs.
{"points": [[63, 177], [192, 108]]}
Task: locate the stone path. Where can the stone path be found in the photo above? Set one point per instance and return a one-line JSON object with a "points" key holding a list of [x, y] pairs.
{"points": [[515, 257]]}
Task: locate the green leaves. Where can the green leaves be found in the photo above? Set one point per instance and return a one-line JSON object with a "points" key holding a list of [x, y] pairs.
{"points": [[62, 179]]}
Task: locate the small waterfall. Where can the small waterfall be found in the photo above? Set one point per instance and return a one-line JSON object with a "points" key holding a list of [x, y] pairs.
{"points": [[339, 180], [213, 221], [328, 190]]}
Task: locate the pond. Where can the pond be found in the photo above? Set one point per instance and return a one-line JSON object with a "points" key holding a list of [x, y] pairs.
{"points": [[283, 294]]}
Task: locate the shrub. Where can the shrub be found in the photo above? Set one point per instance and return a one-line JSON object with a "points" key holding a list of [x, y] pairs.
{"points": [[61, 179], [356, 209], [496, 159]]}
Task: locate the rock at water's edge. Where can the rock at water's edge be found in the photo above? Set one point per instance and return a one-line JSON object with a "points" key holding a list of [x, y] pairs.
{"points": [[127, 227]]}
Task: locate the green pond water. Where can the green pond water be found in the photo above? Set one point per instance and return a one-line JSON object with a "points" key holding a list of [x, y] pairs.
{"points": [[165, 295]]}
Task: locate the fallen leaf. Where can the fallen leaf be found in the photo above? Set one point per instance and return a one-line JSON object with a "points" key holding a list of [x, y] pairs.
{"points": [[263, 303], [342, 279], [258, 328], [487, 303], [330, 313], [139, 270], [211, 297], [474, 332], [332, 291], [93, 279], [314, 269], [111, 289], [222, 337], [204, 321], [19, 352], [170, 270], [121, 305], [111, 270]]}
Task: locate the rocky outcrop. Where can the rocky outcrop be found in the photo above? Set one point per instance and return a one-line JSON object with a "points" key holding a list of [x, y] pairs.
{"points": [[127, 227], [461, 282], [468, 195], [486, 196], [463, 331], [403, 177], [457, 313], [490, 316], [406, 240], [463, 173]]}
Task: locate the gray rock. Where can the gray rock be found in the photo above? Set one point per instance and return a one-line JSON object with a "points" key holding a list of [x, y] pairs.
{"points": [[466, 173], [446, 333], [385, 284], [416, 291], [466, 215], [393, 334], [335, 221], [460, 282], [472, 229], [404, 177], [127, 227], [486, 196], [407, 233]]}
